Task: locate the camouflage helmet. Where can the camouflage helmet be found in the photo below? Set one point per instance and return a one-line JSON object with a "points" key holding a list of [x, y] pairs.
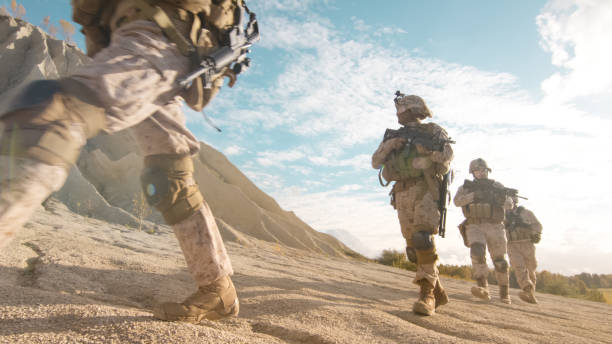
{"points": [[411, 103], [478, 164]]}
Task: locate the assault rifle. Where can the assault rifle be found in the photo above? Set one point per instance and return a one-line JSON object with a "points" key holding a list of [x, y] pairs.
{"points": [[416, 136], [443, 198], [232, 53], [486, 190]]}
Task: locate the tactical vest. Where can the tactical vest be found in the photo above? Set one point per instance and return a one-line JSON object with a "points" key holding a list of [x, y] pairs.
{"points": [[483, 210], [516, 229], [195, 26], [398, 165]]}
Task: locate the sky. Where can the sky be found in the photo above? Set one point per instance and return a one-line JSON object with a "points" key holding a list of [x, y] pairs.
{"points": [[526, 85]]}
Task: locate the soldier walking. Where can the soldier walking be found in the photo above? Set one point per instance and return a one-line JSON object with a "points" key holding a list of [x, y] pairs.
{"points": [[417, 171], [524, 231], [483, 202], [140, 48]]}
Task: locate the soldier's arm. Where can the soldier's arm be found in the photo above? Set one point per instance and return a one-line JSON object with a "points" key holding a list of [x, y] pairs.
{"points": [[529, 218], [443, 158], [463, 197], [384, 149]]}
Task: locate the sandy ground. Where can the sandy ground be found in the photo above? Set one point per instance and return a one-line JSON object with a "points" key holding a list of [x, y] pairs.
{"points": [[69, 279]]}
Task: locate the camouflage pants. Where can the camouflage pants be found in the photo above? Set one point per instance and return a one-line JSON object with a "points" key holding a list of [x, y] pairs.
{"points": [[134, 78], [417, 211], [523, 260], [493, 236]]}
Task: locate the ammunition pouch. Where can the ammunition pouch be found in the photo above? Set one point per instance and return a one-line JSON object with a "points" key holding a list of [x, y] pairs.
{"points": [[50, 121], [181, 22], [168, 184], [483, 213], [519, 234], [399, 165]]}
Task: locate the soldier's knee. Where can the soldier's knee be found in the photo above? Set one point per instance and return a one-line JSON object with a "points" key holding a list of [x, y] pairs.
{"points": [[51, 119], [500, 264], [411, 254], [168, 185], [478, 253], [422, 240]]}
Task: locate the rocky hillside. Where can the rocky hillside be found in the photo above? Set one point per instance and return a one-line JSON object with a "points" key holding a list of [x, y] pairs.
{"points": [[105, 182]]}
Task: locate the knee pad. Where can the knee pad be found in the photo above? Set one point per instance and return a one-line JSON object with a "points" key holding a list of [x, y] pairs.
{"points": [[422, 240], [168, 184], [411, 254], [500, 264], [50, 121], [478, 253]]}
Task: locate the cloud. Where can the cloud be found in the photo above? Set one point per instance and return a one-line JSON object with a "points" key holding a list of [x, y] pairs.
{"points": [[233, 150], [577, 34], [329, 100]]}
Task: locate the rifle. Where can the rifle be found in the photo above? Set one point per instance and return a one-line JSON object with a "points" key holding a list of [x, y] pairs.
{"points": [[486, 190], [232, 53], [415, 136], [442, 201]]}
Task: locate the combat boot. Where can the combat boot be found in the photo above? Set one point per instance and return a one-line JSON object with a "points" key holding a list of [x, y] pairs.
{"points": [[504, 294], [426, 305], [528, 295], [481, 291], [440, 294], [213, 302]]}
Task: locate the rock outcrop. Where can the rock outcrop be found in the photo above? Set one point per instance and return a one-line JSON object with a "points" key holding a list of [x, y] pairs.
{"points": [[105, 183]]}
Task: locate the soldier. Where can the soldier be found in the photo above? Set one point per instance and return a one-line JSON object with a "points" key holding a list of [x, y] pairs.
{"points": [[523, 230], [139, 51], [483, 202], [417, 172]]}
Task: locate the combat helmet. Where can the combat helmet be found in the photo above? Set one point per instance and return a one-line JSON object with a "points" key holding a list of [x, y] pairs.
{"points": [[412, 103], [478, 164]]}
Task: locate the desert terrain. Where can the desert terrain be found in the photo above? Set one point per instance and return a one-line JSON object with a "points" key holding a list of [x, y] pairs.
{"points": [[74, 279]]}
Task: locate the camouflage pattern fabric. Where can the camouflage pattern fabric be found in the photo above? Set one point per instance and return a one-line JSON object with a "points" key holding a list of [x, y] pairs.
{"points": [[24, 185], [417, 210], [523, 260], [522, 253], [134, 78], [493, 236]]}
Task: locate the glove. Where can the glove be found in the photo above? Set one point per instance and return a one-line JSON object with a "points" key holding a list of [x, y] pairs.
{"points": [[536, 237]]}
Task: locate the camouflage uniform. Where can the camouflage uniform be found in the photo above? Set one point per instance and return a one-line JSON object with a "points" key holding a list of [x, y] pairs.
{"points": [[416, 197], [524, 231], [484, 232], [134, 82]]}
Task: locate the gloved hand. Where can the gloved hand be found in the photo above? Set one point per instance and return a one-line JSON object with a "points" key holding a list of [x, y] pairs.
{"points": [[536, 237]]}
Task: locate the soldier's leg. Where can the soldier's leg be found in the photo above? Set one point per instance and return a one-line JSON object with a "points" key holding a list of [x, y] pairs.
{"points": [[478, 249], [426, 219], [528, 293], [169, 185], [51, 120], [496, 240], [530, 261], [518, 264], [24, 184], [40, 138]]}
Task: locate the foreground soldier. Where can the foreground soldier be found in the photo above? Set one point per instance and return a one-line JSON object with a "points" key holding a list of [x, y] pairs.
{"points": [[417, 172], [131, 82], [523, 230], [483, 202]]}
